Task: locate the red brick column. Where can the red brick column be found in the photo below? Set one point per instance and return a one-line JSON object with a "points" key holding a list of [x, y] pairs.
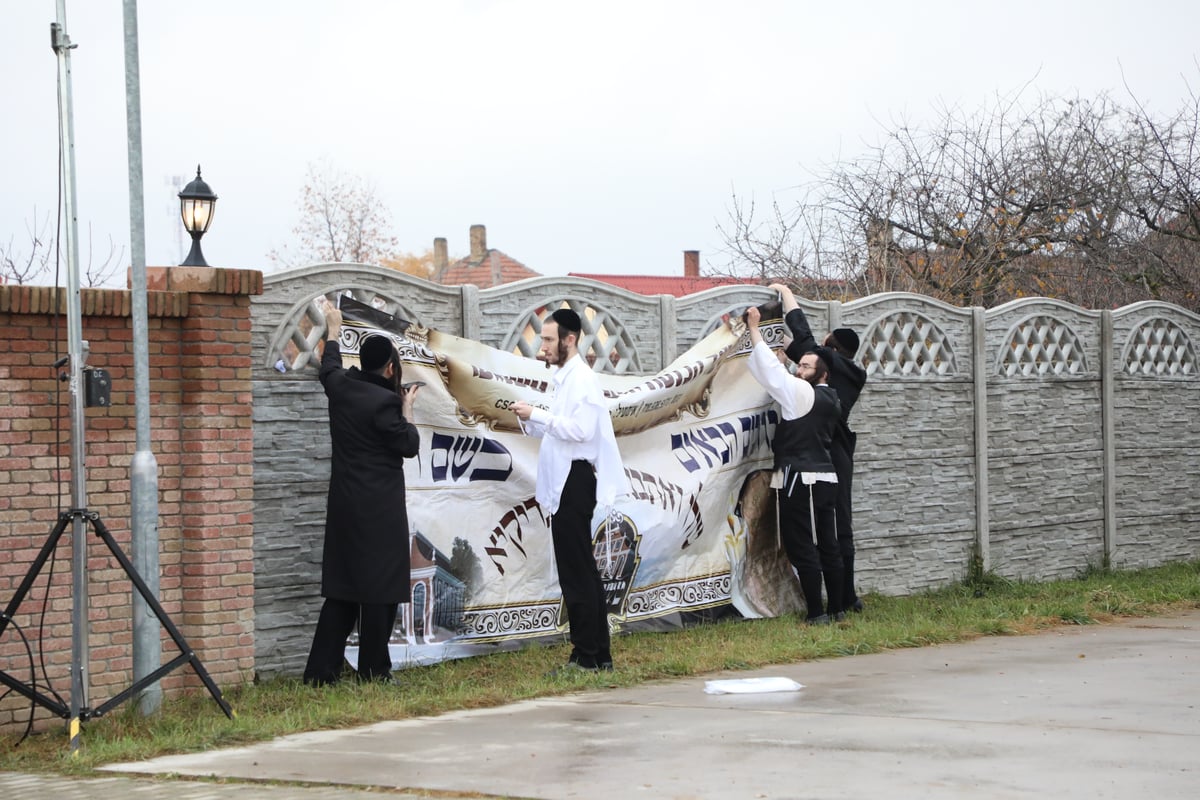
{"points": [[213, 480]]}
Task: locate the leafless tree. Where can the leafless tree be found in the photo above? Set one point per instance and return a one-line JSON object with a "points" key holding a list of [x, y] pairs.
{"points": [[98, 273], [22, 266], [1083, 199], [800, 245], [342, 218], [34, 262], [1164, 196]]}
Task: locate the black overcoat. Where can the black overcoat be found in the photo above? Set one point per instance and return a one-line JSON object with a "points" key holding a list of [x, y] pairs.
{"points": [[847, 377], [366, 558]]}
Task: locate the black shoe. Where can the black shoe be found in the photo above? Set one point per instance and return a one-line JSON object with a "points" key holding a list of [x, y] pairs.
{"points": [[837, 616], [821, 620], [605, 666], [857, 606]]}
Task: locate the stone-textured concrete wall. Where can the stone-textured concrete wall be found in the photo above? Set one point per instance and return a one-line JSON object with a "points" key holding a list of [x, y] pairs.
{"points": [[1045, 472], [921, 464], [1156, 418]]}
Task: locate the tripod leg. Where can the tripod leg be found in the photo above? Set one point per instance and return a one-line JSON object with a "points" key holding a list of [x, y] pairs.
{"points": [[35, 569], [188, 654]]}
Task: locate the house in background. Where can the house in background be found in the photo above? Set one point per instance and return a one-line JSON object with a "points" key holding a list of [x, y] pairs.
{"points": [[690, 282], [485, 267]]}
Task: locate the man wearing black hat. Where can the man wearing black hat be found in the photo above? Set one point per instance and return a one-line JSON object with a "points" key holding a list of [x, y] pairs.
{"points": [[847, 378], [579, 467], [365, 563], [804, 473]]}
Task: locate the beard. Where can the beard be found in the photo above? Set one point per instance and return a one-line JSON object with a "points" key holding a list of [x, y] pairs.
{"points": [[556, 357]]}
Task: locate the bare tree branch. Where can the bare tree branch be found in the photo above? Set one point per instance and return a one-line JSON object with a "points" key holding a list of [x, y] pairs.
{"points": [[1084, 199], [342, 218], [21, 266]]}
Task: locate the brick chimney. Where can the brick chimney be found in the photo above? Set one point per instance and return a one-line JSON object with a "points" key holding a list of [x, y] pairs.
{"points": [[691, 263], [478, 242], [441, 256]]}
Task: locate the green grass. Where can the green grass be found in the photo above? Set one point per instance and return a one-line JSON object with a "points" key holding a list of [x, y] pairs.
{"points": [[983, 605]]}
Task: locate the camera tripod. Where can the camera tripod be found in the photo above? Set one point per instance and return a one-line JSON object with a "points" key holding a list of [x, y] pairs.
{"points": [[186, 655], [80, 516]]}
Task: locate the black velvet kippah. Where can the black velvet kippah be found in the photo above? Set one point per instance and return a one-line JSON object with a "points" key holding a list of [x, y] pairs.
{"points": [[568, 320], [847, 338], [374, 352]]}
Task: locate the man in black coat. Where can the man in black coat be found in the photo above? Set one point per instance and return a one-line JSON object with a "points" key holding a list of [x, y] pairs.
{"points": [[365, 566], [847, 378]]}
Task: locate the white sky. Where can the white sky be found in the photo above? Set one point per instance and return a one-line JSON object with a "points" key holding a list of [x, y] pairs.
{"points": [[587, 137]]}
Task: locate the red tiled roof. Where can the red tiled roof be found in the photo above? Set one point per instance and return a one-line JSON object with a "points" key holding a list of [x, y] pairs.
{"points": [[493, 269], [661, 284]]}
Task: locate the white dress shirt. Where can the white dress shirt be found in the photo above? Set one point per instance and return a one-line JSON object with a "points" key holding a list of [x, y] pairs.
{"points": [[795, 397], [577, 427]]}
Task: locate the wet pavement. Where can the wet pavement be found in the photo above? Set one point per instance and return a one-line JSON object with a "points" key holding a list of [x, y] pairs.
{"points": [[1109, 711]]}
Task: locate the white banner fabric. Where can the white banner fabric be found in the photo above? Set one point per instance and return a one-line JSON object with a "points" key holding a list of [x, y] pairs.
{"points": [[692, 438]]}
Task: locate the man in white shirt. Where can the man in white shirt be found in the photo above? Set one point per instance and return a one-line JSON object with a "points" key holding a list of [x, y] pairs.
{"points": [[804, 473], [578, 467]]}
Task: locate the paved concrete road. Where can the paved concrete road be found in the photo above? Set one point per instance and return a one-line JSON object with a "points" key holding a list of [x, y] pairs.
{"points": [[1082, 712]]}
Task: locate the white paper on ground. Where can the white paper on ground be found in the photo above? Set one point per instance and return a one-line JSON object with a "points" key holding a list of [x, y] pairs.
{"points": [[752, 686]]}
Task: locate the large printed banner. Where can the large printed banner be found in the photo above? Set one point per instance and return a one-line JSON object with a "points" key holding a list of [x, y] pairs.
{"points": [[483, 571]]}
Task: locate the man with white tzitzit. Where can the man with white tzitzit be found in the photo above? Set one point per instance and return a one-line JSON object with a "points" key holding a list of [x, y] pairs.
{"points": [[804, 473]]}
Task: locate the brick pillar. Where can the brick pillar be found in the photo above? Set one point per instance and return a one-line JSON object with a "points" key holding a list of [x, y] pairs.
{"points": [[691, 263], [216, 481]]}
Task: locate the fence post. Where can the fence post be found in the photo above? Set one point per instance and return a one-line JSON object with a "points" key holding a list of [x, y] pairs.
{"points": [[833, 317], [979, 374], [669, 350], [1109, 435], [472, 321]]}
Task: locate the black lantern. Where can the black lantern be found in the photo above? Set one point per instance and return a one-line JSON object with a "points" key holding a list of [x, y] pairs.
{"points": [[196, 204]]}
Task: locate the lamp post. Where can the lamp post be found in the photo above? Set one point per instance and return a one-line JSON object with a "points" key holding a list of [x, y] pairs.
{"points": [[196, 205]]}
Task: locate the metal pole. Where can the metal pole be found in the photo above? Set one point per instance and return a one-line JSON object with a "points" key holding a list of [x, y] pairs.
{"points": [[147, 640], [77, 352]]}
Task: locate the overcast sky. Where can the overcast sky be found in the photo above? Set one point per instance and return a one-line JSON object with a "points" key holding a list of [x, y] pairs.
{"points": [[587, 137]]}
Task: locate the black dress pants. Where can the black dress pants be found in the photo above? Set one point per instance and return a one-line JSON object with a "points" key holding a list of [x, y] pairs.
{"points": [[842, 452], [807, 512], [328, 653], [578, 577]]}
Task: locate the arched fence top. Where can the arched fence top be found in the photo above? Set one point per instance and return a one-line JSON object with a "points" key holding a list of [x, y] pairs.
{"points": [[584, 288], [904, 335], [604, 342], [1039, 345], [930, 306], [1027, 306], [1156, 308], [1039, 337], [1159, 347], [906, 344], [1155, 340], [367, 276]]}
